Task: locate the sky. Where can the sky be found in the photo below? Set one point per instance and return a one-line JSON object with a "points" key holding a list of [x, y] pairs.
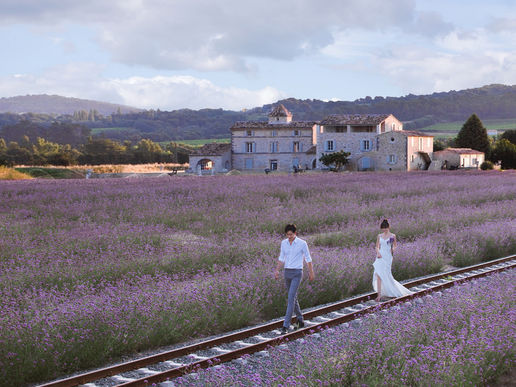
{"points": [[236, 54]]}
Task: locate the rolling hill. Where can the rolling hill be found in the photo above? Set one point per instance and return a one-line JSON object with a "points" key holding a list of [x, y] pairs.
{"points": [[495, 104], [55, 104]]}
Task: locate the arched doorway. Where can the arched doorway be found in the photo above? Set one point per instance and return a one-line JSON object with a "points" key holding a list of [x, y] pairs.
{"points": [[205, 164], [314, 163]]}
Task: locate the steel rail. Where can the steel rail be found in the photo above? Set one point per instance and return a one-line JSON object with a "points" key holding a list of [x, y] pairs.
{"points": [[249, 332]]}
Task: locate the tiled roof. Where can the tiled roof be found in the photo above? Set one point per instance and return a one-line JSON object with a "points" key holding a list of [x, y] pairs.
{"points": [[212, 149], [462, 151], [280, 111], [266, 125], [410, 133], [354, 119]]}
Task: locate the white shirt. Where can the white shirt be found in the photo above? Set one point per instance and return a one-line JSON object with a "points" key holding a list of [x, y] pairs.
{"points": [[292, 254]]}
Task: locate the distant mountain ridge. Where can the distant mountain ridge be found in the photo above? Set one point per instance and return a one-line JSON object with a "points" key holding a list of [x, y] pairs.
{"points": [[56, 104], [416, 111]]}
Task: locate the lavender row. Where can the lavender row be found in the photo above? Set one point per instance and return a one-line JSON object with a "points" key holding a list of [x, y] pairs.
{"points": [[46, 332], [464, 338]]}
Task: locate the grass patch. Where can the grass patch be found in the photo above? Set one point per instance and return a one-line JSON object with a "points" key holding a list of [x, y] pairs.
{"points": [[51, 173], [447, 129], [201, 142], [96, 131], [12, 174]]}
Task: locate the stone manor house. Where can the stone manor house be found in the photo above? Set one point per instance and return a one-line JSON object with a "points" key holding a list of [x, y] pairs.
{"points": [[374, 141]]}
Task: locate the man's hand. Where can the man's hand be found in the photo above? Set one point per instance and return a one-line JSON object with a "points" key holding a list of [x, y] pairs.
{"points": [[311, 276], [276, 274]]}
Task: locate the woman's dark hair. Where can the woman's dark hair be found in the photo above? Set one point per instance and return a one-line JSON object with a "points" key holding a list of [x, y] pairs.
{"points": [[290, 227], [385, 224]]}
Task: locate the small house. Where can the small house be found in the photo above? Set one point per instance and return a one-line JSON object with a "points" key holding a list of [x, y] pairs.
{"points": [[454, 158]]}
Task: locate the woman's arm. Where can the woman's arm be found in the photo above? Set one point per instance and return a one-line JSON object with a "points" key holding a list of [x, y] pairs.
{"points": [[378, 255]]}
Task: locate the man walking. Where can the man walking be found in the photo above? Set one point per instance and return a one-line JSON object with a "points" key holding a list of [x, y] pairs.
{"points": [[293, 251]]}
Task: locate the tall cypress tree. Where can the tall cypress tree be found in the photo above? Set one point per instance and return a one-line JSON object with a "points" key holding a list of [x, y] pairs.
{"points": [[473, 135]]}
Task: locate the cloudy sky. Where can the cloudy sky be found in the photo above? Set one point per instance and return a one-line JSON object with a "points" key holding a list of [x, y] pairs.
{"points": [[234, 54]]}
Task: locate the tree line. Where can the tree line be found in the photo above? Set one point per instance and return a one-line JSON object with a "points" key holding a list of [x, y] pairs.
{"points": [[94, 151]]}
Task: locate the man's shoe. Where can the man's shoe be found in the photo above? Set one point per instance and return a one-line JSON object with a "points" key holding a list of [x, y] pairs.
{"points": [[298, 325], [283, 330]]}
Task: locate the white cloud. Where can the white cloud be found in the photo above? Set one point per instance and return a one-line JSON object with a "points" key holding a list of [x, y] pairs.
{"points": [[85, 80], [219, 35], [454, 63]]}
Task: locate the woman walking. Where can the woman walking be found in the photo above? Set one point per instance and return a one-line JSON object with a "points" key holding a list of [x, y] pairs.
{"points": [[383, 281]]}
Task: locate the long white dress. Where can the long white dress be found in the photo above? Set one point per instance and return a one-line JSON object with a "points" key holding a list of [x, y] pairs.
{"points": [[382, 268]]}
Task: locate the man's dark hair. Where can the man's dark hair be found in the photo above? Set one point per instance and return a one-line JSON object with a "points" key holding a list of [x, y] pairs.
{"points": [[290, 227]]}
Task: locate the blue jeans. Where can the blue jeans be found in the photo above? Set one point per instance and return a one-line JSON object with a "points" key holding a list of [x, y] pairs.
{"points": [[292, 281]]}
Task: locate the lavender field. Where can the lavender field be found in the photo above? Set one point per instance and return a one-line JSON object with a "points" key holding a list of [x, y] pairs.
{"points": [[95, 269], [465, 337]]}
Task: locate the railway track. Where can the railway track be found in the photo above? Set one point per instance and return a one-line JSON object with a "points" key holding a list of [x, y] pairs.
{"points": [[167, 365]]}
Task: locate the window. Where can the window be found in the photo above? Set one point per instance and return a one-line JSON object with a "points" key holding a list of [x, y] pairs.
{"points": [[412, 158], [420, 143], [297, 132], [392, 139], [393, 126], [296, 147], [273, 165], [330, 146], [248, 163], [250, 147], [274, 133], [366, 145], [391, 159], [274, 147], [249, 133]]}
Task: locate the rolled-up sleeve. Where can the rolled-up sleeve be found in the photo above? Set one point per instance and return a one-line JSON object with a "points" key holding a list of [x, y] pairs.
{"points": [[306, 253], [281, 257]]}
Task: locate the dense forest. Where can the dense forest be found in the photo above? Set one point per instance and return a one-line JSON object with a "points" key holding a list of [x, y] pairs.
{"points": [[417, 111]]}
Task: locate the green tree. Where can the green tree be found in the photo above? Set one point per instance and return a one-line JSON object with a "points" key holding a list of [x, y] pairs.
{"points": [[147, 151], [473, 135], [103, 151], [337, 159], [505, 151], [17, 155], [510, 135]]}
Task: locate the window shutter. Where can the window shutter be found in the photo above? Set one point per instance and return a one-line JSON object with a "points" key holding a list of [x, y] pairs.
{"points": [[254, 147], [245, 147], [300, 147]]}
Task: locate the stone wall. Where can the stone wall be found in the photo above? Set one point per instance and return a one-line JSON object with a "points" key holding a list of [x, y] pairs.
{"points": [[263, 154], [221, 163], [348, 142]]}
